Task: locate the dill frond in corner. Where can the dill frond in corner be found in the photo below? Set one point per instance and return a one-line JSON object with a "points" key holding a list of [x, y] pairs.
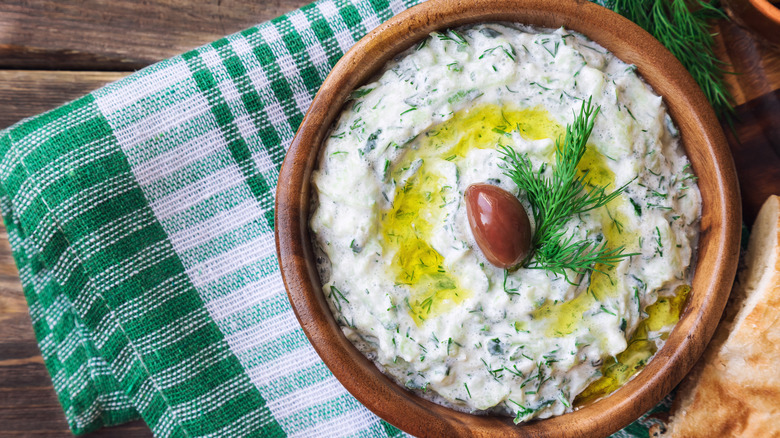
{"points": [[556, 198], [683, 29]]}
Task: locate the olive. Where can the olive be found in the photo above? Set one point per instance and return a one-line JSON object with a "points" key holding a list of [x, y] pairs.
{"points": [[499, 223]]}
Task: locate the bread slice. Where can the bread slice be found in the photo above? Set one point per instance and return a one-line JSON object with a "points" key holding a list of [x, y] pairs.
{"points": [[734, 389]]}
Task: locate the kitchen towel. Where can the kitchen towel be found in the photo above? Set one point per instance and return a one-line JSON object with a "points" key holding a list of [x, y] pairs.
{"points": [[141, 221]]}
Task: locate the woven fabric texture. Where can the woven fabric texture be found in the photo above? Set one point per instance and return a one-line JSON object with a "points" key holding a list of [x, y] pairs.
{"points": [[141, 221]]}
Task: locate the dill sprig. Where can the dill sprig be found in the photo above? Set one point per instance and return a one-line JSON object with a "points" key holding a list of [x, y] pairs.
{"points": [[556, 198], [684, 30]]}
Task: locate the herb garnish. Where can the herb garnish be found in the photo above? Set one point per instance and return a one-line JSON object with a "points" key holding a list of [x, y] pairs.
{"points": [[684, 30], [556, 198]]}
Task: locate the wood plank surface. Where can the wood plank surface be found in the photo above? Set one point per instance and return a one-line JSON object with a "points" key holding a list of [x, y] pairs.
{"points": [[120, 34], [54, 51], [755, 137], [755, 66], [755, 146], [25, 93]]}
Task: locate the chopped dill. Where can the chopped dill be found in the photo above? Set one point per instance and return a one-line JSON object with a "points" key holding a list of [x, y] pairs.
{"points": [[637, 207], [422, 43], [630, 113], [540, 86], [454, 36], [658, 206], [334, 295], [604, 309], [510, 53], [553, 52], [334, 289], [512, 291], [659, 242], [360, 92], [498, 130], [563, 399], [515, 371]]}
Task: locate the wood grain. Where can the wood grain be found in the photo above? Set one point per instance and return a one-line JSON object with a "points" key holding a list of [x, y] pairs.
{"points": [[762, 17], [754, 138], [755, 146], [25, 93], [119, 34], [755, 66]]}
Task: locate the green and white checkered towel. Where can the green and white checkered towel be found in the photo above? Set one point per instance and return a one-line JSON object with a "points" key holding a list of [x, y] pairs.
{"points": [[141, 220]]}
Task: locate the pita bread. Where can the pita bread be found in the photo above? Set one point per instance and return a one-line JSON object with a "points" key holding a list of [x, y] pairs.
{"points": [[734, 390]]}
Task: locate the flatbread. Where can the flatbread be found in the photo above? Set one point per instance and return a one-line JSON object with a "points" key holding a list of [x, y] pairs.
{"points": [[734, 390]]}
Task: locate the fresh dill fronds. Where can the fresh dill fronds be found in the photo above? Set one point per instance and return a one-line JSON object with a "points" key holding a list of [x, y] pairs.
{"points": [[556, 198], [684, 30]]}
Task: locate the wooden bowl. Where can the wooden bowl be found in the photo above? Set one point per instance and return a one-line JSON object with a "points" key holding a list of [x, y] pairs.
{"points": [[758, 16], [703, 141]]}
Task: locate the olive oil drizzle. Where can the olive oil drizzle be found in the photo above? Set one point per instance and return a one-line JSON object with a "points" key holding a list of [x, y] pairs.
{"points": [[616, 371], [566, 317], [434, 288], [418, 202], [407, 229]]}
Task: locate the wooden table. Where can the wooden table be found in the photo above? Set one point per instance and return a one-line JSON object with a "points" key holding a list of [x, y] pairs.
{"points": [[55, 51]]}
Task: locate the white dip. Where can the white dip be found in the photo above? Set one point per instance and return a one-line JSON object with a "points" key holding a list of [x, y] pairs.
{"points": [[408, 283]]}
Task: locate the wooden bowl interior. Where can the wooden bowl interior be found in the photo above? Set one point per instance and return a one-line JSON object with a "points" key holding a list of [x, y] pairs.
{"points": [[703, 141]]}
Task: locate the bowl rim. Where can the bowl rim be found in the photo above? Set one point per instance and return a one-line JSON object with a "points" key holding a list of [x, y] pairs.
{"points": [[704, 143]]}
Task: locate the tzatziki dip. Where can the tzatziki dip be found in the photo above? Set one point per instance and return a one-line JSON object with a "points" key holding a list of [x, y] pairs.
{"points": [[399, 263]]}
